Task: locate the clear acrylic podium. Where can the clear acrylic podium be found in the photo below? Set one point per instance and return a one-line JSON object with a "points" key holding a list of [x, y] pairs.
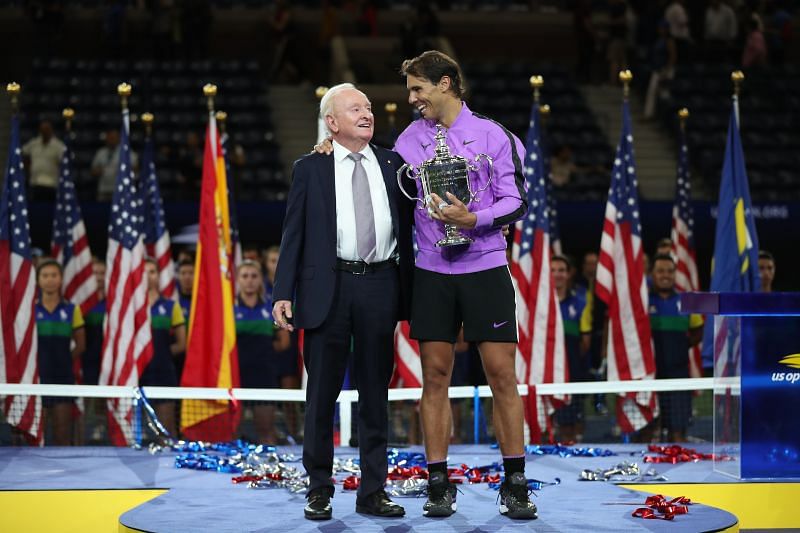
{"points": [[756, 381]]}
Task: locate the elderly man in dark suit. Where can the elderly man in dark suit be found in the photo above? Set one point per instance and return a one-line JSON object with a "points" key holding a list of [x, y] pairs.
{"points": [[346, 260]]}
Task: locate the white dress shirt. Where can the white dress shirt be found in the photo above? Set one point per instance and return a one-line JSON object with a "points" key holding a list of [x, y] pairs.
{"points": [[346, 242]]}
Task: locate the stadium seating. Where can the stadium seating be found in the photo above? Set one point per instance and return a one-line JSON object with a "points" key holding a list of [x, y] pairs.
{"points": [[172, 91], [770, 109], [502, 91]]}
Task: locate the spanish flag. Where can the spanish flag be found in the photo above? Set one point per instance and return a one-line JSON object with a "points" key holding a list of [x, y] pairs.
{"points": [[211, 358]]}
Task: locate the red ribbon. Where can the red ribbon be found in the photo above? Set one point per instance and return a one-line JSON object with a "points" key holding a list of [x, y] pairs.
{"points": [[246, 479], [351, 482], [667, 508], [678, 454], [413, 472]]}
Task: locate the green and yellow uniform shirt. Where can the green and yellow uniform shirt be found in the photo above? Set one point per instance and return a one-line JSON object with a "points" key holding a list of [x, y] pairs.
{"points": [[670, 330], [54, 337]]}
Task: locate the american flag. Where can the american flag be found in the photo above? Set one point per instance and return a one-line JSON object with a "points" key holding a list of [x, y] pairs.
{"points": [[686, 278], [70, 245], [408, 365], [17, 297], [552, 203], [407, 361], [127, 342], [621, 284], [156, 235], [541, 356]]}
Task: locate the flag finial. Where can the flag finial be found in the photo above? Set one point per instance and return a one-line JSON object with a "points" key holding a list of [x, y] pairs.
{"points": [[737, 77], [221, 117], [683, 115], [210, 91], [124, 91], [68, 114], [320, 92], [13, 89], [536, 83], [544, 112], [391, 109], [148, 119], [625, 77]]}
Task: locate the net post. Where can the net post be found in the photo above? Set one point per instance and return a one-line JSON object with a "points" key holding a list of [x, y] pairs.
{"points": [[476, 416]]}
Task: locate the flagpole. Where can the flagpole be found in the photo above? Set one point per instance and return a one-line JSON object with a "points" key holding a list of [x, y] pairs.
{"points": [[124, 91], [626, 78], [391, 110], [737, 77], [147, 119], [683, 116], [69, 114], [221, 117], [13, 89]]}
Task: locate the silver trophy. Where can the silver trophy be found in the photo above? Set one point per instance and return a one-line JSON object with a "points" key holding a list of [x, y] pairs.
{"points": [[442, 174]]}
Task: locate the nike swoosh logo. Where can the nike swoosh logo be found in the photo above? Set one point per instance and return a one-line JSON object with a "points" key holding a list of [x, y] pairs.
{"points": [[424, 146], [466, 142], [496, 325]]}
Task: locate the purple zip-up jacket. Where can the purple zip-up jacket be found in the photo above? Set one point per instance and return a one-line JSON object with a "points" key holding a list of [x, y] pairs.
{"points": [[502, 203]]}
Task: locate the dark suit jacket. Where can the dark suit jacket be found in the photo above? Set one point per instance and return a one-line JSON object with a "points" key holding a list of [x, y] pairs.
{"points": [[306, 267]]}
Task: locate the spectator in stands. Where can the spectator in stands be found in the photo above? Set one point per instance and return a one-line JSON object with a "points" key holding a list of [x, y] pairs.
{"points": [[250, 252], [577, 320], [678, 20], [190, 167], [367, 21], [105, 165], [664, 57], [755, 47], [673, 334], [284, 61], [616, 51], [585, 40], [59, 325], [778, 30], [94, 326], [584, 283], [766, 270], [329, 28], [42, 156], [664, 246], [721, 28], [257, 342], [169, 339], [269, 261], [563, 166]]}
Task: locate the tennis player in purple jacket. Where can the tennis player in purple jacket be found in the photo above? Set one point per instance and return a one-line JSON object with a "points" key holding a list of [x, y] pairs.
{"points": [[469, 284]]}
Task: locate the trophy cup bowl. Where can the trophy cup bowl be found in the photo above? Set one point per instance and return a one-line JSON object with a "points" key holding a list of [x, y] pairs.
{"points": [[445, 173]]}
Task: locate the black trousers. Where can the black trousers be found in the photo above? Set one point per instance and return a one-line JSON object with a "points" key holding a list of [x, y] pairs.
{"points": [[365, 309]]}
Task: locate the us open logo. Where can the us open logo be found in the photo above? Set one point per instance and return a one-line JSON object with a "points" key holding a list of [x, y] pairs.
{"points": [[792, 361]]}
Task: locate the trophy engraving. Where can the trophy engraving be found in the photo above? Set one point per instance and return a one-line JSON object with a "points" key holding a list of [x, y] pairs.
{"points": [[445, 173]]}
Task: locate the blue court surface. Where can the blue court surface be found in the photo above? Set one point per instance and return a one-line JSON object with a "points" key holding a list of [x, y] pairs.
{"points": [[210, 502]]}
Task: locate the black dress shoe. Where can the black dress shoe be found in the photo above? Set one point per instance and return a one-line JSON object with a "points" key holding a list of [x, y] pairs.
{"points": [[379, 504], [319, 504]]}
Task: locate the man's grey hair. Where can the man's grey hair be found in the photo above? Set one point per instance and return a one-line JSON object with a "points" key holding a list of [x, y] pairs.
{"points": [[326, 103]]}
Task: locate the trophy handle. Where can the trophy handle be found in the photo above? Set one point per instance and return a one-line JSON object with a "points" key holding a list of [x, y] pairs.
{"points": [[490, 164], [408, 171]]}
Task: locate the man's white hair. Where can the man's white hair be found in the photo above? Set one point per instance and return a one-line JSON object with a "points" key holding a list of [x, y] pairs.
{"points": [[326, 103]]}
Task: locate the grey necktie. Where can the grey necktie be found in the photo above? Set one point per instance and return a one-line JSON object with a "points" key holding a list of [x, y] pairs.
{"points": [[362, 205]]}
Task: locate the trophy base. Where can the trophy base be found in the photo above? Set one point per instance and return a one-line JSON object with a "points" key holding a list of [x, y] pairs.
{"points": [[454, 239]]}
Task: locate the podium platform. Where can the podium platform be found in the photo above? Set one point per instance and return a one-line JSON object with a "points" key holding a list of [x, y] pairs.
{"points": [[756, 381]]}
